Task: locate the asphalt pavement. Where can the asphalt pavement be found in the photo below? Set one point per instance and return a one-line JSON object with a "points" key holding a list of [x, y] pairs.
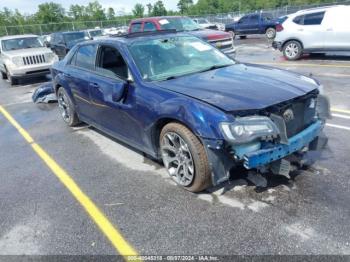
{"points": [[307, 214]]}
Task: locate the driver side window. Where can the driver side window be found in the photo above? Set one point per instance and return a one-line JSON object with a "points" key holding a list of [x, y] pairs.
{"points": [[111, 64]]}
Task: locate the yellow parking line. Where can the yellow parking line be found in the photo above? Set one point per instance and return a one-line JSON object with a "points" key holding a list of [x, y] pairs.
{"points": [[112, 233], [340, 110], [301, 64]]}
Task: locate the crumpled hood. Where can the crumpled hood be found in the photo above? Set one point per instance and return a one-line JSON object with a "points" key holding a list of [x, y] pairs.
{"points": [[27, 52], [242, 86]]}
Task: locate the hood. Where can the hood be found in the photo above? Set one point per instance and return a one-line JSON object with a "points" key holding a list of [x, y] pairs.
{"points": [[242, 86], [28, 52], [208, 34]]}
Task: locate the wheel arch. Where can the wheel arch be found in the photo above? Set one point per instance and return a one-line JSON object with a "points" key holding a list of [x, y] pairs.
{"points": [[293, 39]]}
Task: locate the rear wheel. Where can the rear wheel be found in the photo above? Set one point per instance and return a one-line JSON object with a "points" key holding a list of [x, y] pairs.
{"points": [[292, 50], [270, 33], [66, 108], [185, 158], [242, 36]]}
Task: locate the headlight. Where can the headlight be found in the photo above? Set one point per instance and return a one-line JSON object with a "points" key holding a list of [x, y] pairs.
{"points": [[52, 57], [17, 61], [247, 129]]}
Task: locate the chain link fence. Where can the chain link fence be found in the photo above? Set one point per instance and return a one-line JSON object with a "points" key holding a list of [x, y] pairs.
{"points": [[43, 29]]}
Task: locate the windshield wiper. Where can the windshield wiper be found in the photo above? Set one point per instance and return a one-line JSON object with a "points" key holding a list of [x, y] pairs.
{"points": [[214, 67]]}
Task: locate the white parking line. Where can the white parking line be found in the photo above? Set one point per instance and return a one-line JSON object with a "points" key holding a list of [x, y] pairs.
{"points": [[341, 116], [339, 126]]}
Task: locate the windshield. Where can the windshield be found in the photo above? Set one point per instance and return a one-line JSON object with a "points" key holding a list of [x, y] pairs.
{"points": [[95, 33], [178, 23], [71, 37], [21, 43], [161, 59], [203, 21]]}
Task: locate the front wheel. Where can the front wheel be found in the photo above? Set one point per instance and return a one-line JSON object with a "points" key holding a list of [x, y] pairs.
{"points": [[3, 75], [66, 108], [185, 158], [270, 33], [292, 50]]}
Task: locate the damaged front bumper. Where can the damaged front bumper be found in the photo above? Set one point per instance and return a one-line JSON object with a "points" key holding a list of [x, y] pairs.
{"points": [[259, 155]]}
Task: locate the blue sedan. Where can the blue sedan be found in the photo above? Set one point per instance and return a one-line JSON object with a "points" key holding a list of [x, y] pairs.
{"points": [[179, 99]]}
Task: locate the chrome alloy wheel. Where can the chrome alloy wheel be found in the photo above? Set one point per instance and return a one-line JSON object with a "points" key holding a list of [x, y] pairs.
{"points": [[177, 158], [63, 106], [292, 50]]}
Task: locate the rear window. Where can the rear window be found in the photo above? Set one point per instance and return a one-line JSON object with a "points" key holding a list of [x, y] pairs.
{"points": [[309, 19], [135, 28], [85, 57]]}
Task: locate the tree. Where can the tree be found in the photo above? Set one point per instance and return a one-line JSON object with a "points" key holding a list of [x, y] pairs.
{"points": [[184, 5], [159, 9], [95, 11], [149, 9], [110, 14], [138, 10], [77, 12], [50, 13]]}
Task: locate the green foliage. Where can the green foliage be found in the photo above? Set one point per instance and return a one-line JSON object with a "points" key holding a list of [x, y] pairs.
{"points": [[138, 10], [159, 9], [50, 13]]}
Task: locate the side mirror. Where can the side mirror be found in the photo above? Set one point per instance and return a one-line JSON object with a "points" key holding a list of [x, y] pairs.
{"points": [[119, 91]]}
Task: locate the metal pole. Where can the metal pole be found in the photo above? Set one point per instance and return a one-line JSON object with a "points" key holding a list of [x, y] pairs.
{"points": [[7, 33]]}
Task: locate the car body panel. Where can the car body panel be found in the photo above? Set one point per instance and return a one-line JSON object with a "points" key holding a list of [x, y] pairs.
{"points": [[200, 101]]}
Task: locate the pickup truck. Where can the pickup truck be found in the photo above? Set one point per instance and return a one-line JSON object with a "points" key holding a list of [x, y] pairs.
{"points": [[251, 24], [219, 39]]}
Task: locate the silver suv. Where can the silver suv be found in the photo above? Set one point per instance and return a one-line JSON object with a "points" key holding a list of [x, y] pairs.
{"points": [[23, 56]]}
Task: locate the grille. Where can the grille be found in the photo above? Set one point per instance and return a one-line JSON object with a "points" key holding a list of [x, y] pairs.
{"points": [[34, 59], [304, 110], [222, 43]]}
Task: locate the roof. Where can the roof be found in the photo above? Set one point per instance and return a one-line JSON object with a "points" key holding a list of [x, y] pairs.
{"points": [[321, 8], [156, 18], [16, 37]]}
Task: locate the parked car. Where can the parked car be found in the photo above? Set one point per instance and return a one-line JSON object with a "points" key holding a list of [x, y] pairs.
{"points": [[317, 30], [221, 40], [62, 42], [250, 24], [179, 99], [94, 34], [23, 56], [205, 24], [121, 30]]}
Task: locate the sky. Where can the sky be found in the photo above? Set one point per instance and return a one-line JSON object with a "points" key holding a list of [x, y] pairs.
{"points": [[30, 6]]}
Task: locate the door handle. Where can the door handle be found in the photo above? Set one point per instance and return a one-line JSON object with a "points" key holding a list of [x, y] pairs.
{"points": [[300, 29], [329, 29], [94, 85]]}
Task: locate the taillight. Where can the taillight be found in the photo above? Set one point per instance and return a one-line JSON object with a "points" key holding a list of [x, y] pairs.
{"points": [[279, 28]]}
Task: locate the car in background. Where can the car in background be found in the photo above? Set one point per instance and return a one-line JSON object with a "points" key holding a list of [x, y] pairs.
{"points": [[317, 30], [205, 24], [220, 40], [23, 56], [93, 34], [62, 42], [121, 30], [251, 24], [178, 99]]}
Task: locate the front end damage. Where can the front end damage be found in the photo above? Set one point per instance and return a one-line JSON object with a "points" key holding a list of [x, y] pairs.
{"points": [[293, 128]]}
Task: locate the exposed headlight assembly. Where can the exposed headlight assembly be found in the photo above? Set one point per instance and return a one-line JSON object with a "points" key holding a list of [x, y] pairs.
{"points": [[18, 61], [248, 129]]}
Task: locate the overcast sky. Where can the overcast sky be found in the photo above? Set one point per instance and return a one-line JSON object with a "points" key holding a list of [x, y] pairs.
{"points": [[30, 6]]}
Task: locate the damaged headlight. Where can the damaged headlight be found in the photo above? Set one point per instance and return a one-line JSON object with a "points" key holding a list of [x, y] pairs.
{"points": [[247, 129]]}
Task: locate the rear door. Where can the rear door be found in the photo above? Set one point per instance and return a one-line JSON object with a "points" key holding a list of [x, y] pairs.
{"points": [[81, 66], [337, 23], [311, 30], [254, 24]]}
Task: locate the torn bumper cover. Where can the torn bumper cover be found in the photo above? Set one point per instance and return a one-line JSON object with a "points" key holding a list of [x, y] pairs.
{"points": [[44, 94], [222, 161], [265, 156]]}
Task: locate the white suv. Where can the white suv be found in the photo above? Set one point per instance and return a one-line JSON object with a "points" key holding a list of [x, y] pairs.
{"points": [[24, 56], [317, 30]]}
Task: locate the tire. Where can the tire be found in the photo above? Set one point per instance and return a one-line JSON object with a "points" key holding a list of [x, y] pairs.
{"points": [[13, 81], [292, 50], [190, 152], [67, 108], [270, 33], [3, 75], [242, 36]]}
